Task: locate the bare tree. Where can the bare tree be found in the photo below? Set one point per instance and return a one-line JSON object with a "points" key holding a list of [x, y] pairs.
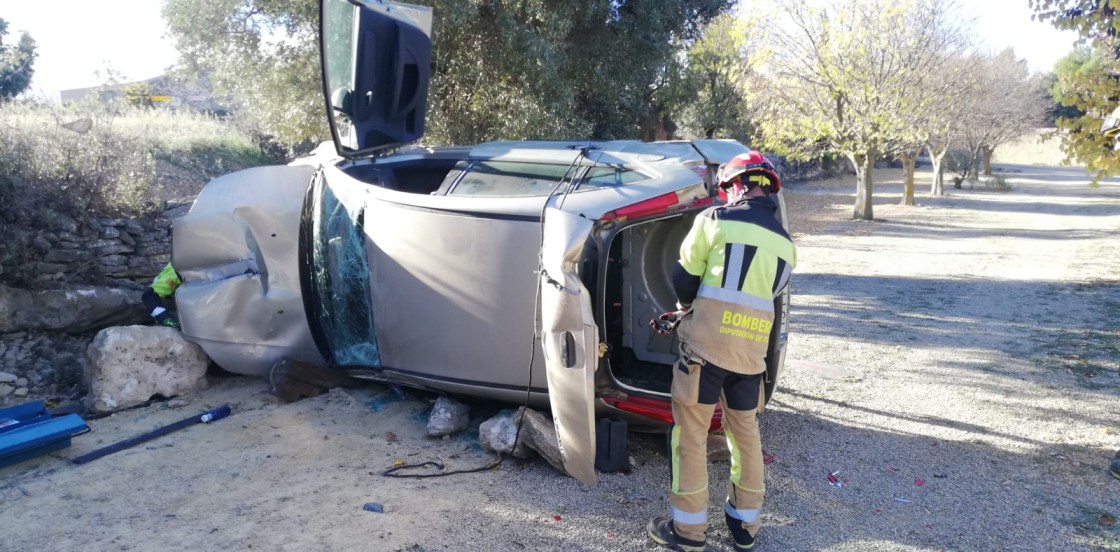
{"points": [[949, 124], [945, 94], [850, 74], [1008, 103]]}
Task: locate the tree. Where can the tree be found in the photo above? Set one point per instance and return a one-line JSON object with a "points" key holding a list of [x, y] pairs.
{"points": [[945, 97], [705, 92], [1084, 80], [845, 74], [1008, 103], [502, 70], [1088, 79], [16, 63], [618, 50], [262, 53], [1050, 83], [947, 125]]}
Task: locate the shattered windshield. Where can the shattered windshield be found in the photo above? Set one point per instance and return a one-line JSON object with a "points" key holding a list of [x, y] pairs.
{"points": [[340, 276]]}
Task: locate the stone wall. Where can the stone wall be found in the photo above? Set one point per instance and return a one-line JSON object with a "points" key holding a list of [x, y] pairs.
{"points": [[50, 247], [41, 366], [46, 250]]}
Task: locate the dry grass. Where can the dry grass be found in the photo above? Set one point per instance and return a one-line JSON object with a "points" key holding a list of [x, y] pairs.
{"points": [[92, 158], [1033, 148]]}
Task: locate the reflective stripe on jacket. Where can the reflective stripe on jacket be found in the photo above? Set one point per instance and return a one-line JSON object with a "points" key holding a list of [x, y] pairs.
{"points": [[166, 282], [743, 258]]}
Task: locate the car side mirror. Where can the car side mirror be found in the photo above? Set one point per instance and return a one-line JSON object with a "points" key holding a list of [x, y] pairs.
{"points": [[341, 101]]}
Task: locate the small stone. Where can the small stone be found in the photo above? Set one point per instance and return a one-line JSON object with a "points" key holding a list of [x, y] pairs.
{"points": [[21, 392], [448, 416], [6, 389], [21, 382], [177, 403], [6, 377], [717, 448]]}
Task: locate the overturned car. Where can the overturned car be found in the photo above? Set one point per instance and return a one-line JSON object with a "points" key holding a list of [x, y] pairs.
{"points": [[515, 271]]}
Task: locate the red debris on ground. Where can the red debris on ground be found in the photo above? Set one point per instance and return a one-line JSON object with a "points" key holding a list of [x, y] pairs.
{"points": [[768, 458]]}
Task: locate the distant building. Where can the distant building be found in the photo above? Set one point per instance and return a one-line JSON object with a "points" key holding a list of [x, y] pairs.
{"points": [[167, 91]]}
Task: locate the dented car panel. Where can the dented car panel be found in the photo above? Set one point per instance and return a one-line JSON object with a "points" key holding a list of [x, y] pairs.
{"points": [[237, 249]]}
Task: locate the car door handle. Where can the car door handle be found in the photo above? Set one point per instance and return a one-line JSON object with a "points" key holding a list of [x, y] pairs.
{"points": [[568, 350]]}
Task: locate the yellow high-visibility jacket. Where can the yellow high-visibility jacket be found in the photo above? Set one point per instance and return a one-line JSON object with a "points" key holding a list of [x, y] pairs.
{"points": [[742, 257], [166, 282]]}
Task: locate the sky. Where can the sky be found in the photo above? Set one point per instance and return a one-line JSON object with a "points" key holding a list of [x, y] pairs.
{"points": [[77, 39]]}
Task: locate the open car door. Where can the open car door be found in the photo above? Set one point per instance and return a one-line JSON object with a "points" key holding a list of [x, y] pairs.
{"points": [[376, 59], [569, 339]]}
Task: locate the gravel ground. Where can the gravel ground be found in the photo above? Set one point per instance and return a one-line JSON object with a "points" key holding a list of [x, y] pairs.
{"points": [[955, 362]]}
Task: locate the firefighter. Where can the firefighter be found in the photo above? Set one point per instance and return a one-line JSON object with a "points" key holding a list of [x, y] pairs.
{"points": [[162, 287], [734, 261]]}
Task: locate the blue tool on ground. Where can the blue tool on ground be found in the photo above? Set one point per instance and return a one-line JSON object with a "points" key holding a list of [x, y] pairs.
{"points": [[205, 417], [29, 430]]}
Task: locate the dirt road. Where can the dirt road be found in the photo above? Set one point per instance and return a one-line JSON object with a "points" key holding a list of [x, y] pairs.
{"points": [[955, 362]]}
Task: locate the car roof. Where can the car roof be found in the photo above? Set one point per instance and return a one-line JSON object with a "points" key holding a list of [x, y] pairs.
{"points": [[612, 152]]}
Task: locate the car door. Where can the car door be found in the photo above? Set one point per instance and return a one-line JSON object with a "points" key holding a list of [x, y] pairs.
{"points": [[376, 59], [569, 339]]}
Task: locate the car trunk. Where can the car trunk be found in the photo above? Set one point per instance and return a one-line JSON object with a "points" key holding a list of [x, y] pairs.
{"points": [[637, 286]]}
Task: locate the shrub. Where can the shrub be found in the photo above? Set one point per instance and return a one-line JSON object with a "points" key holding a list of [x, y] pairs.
{"points": [[91, 158], [997, 183]]}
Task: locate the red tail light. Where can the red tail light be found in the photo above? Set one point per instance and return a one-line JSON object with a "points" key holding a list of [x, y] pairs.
{"points": [[651, 206], [656, 409], [654, 206]]}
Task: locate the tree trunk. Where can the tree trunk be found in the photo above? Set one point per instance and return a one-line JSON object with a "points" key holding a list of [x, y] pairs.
{"points": [[938, 187], [974, 165], [863, 163], [909, 162], [987, 151]]}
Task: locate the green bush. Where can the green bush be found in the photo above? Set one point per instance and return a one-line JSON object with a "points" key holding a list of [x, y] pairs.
{"points": [[91, 158]]}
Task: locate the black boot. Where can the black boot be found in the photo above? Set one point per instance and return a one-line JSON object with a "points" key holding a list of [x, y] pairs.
{"points": [[662, 532], [740, 537]]}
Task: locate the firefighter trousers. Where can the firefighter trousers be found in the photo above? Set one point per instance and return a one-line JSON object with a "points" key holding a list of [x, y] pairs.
{"points": [[697, 387]]}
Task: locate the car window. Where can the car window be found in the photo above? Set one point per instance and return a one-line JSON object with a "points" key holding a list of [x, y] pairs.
{"points": [[517, 179], [338, 47], [608, 177], [510, 179]]}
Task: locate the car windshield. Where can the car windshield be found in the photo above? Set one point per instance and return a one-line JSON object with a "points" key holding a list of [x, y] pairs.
{"points": [[517, 179], [340, 277]]}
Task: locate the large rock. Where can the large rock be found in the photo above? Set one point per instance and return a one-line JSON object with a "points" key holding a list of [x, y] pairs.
{"points": [[448, 416], [125, 366], [498, 434], [72, 310], [538, 434]]}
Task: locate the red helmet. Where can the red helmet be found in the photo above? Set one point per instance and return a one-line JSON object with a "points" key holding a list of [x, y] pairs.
{"points": [[756, 168]]}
